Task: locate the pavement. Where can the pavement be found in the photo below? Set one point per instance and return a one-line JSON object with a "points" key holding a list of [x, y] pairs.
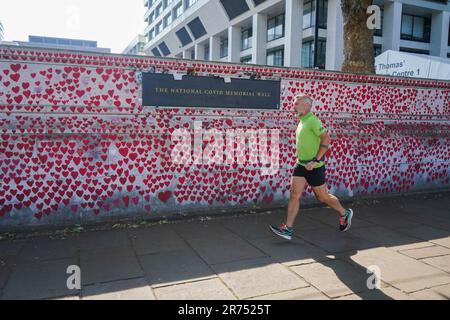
{"points": [[403, 241]]}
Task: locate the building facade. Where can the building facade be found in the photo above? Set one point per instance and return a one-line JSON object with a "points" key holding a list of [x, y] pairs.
{"points": [[297, 33], [63, 43], [2, 31], [136, 46]]}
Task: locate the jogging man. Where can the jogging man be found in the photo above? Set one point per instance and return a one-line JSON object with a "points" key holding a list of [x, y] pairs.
{"points": [[312, 143]]}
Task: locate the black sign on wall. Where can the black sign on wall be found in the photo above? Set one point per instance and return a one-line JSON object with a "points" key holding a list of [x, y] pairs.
{"points": [[209, 92]]}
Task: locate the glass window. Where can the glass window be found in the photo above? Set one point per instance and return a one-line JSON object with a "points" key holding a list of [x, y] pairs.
{"points": [[151, 34], [246, 59], [379, 32], [77, 43], [415, 28], [158, 10], [427, 30], [177, 11], [418, 27], [275, 27], [189, 3], [309, 13], [321, 53], [407, 24], [377, 50], [167, 20], [224, 48], [448, 33], [166, 3], [192, 54], [323, 13], [53, 41], [206, 52], [307, 54], [279, 26], [36, 39], [275, 57], [270, 27], [246, 39], [158, 28]]}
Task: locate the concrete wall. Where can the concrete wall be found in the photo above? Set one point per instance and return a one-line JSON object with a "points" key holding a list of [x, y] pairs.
{"points": [[77, 146]]}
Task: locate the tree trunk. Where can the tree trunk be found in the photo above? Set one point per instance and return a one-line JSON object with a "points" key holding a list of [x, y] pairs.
{"points": [[359, 55]]}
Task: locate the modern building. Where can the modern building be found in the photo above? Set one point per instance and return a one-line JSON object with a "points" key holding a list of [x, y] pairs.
{"points": [[2, 31], [287, 32], [63, 43], [136, 46]]}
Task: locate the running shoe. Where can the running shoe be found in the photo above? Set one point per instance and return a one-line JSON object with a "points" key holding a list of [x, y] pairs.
{"points": [[346, 221], [282, 231]]}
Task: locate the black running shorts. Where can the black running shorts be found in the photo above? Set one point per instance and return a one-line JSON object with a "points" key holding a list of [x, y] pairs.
{"points": [[315, 177]]}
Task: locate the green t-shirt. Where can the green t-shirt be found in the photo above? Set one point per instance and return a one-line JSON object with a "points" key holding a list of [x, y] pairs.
{"points": [[308, 138]]}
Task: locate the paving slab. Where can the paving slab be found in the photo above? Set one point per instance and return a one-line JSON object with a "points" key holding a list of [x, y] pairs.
{"points": [[333, 240], [386, 237], [391, 218], [432, 209], [11, 248], [109, 265], [307, 222], [330, 218], [255, 277], [424, 232], [441, 262], [44, 248], [427, 252], [435, 293], [293, 252], [388, 293], [308, 293], [442, 204], [334, 278], [256, 227], [7, 264], [156, 239], [192, 227], [435, 223], [72, 298], [133, 289], [400, 271], [212, 289], [445, 242], [98, 241], [429, 215], [39, 280], [168, 268], [216, 244]]}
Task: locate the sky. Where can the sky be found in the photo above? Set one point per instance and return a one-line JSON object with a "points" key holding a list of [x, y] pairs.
{"points": [[112, 23]]}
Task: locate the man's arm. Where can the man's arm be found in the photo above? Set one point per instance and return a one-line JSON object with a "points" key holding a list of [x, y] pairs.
{"points": [[324, 145]]}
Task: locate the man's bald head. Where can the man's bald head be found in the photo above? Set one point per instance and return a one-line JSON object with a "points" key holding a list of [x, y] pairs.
{"points": [[305, 98], [303, 104]]}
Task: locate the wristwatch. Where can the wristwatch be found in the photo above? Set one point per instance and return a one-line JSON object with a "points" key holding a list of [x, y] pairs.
{"points": [[315, 160]]}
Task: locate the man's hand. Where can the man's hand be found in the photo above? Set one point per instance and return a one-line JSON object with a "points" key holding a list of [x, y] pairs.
{"points": [[310, 166]]}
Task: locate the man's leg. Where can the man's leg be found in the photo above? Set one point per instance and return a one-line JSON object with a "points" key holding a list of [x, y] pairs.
{"points": [[346, 215], [332, 201], [298, 185]]}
